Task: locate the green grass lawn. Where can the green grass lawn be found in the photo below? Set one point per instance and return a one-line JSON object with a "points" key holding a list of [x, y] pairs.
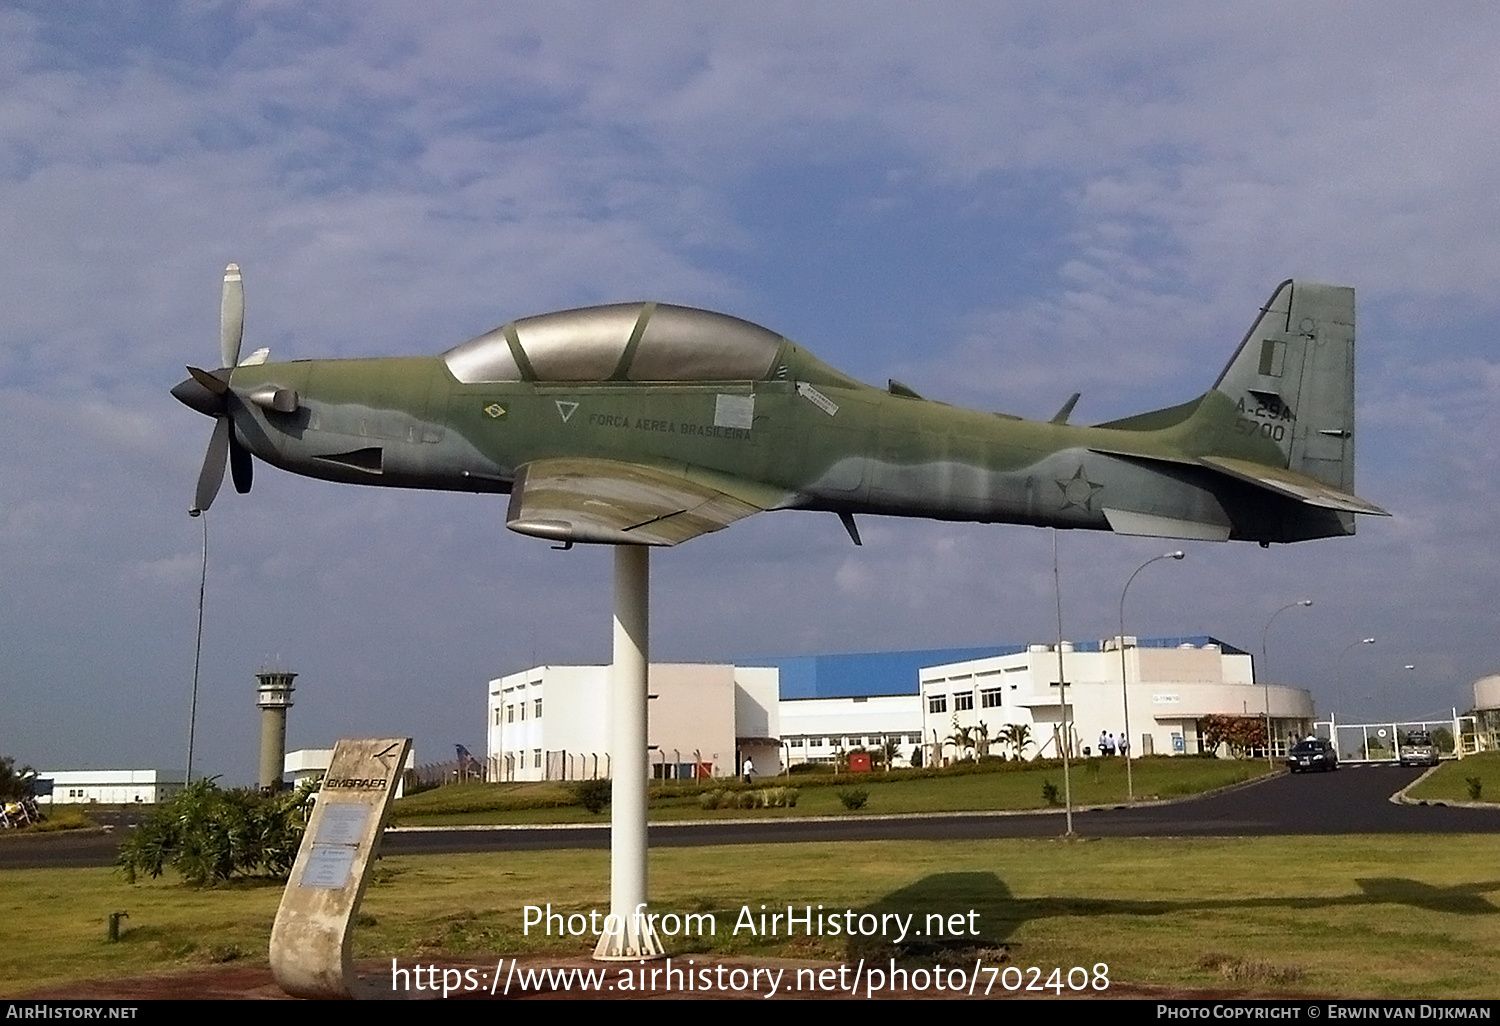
{"points": [[1381, 916], [1450, 782], [1012, 787]]}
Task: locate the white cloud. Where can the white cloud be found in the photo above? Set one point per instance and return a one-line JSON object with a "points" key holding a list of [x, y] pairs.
{"points": [[395, 181]]}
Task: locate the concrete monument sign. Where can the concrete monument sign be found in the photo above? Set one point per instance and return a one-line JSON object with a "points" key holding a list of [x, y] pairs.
{"points": [[310, 941]]}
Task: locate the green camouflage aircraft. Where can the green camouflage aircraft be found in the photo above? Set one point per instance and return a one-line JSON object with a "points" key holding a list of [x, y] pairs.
{"points": [[649, 424]]}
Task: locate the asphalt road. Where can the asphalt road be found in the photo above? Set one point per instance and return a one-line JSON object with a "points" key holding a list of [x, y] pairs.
{"points": [[1354, 800]]}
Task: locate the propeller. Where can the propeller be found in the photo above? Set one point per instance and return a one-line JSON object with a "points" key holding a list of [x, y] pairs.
{"points": [[208, 393]]}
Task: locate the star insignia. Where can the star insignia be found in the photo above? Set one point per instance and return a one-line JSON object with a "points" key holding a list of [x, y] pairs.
{"points": [[1079, 491]]}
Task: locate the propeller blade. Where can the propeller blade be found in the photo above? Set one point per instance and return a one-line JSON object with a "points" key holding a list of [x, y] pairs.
{"points": [[193, 394], [241, 467], [209, 380], [212, 474], [231, 317]]}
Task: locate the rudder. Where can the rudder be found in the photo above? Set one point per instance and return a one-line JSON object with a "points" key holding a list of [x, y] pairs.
{"points": [[1292, 379]]}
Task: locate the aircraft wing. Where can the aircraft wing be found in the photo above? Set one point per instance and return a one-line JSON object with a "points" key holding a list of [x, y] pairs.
{"points": [[614, 503]]}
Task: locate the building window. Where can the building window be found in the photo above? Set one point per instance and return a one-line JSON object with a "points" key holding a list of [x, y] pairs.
{"points": [[963, 700], [510, 714], [937, 703], [989, 698], [537, 709], [497, 716], [796, 742], [536, 758], [914, 739]]}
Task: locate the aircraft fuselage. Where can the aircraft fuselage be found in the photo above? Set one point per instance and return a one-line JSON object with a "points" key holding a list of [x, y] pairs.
{"points": [[824, 445]]}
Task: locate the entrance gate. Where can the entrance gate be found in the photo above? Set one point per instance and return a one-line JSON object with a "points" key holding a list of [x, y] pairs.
{"points": [[1381, 742]]}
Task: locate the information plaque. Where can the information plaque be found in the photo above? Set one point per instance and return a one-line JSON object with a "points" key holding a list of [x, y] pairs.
{"points": [[311, 938]]}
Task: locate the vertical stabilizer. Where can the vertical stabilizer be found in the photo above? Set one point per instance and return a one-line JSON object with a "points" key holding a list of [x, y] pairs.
{"points": [[1292, 380]]}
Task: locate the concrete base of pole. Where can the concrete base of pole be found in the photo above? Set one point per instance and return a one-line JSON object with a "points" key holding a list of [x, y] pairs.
{"points": [[628, 933]]}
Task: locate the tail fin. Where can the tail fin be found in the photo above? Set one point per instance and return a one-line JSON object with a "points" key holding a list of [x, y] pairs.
{"points": [[1280, 419], [1292, 380]]}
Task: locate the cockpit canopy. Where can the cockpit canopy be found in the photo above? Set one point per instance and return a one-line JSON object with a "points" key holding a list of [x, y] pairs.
{"points": [[621, 342]]}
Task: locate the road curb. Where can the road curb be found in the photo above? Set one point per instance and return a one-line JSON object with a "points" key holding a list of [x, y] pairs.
{"points": [[1402, 798]]}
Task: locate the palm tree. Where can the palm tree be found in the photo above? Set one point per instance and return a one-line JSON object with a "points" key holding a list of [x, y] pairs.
{"points": [[962, 738], [1018, 737], [981, 740]]}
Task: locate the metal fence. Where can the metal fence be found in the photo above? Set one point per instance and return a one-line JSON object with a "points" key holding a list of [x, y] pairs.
{"points": [[1381, 741]]}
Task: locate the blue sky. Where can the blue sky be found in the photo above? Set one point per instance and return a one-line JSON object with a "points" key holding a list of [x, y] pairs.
{"points": [[997, 204]]}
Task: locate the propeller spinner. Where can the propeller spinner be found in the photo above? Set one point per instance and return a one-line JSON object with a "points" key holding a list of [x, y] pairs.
{"points": [[208, 393]]}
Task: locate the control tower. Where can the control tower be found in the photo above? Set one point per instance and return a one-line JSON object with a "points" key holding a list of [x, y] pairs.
{"points": [[274, 697]]}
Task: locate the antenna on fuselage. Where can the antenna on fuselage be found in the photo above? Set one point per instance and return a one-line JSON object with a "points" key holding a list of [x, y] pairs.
{"points": [[1061, 416]]}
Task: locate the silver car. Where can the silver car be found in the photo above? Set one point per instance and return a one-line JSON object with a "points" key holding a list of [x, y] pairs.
{"points": [[1417, 749]]}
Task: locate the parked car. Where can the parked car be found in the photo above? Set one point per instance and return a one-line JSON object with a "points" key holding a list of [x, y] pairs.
{"points": [[1418, 749], [1312, 754]]}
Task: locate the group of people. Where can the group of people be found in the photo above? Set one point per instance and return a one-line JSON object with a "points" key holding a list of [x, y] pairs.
{"points": [[1108, 745]]}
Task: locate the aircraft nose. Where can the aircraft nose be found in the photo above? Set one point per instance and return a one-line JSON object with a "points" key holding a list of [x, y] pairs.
{"points": [[195, 396]]}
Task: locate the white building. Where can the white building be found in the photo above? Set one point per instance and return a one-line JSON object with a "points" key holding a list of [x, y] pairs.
{"points": [[834, 703], [113, 787], [552, 722], [1170, 686], [818, 729], [704, 720], [1487, 714]]}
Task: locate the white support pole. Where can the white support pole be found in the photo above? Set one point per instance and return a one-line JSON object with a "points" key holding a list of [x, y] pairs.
{"points": [[628, 933]]}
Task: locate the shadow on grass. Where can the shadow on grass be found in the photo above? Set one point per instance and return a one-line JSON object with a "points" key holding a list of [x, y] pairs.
{"points": [[961, 916]]}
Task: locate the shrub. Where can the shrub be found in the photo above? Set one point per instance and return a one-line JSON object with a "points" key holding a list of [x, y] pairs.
{"points": [[854, 797], [593, 795], [1476, 787], [781, 797], [1050, 793], [209, 835]]}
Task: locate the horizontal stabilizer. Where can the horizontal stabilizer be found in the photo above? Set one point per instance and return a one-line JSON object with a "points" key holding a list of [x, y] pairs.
{"points": [[1293, 485], [1287, 483]]}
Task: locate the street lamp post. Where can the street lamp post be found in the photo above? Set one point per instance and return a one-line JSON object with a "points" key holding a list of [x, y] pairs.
{"points": [[1338, 676], [1124, 676], [1265, 668]]}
